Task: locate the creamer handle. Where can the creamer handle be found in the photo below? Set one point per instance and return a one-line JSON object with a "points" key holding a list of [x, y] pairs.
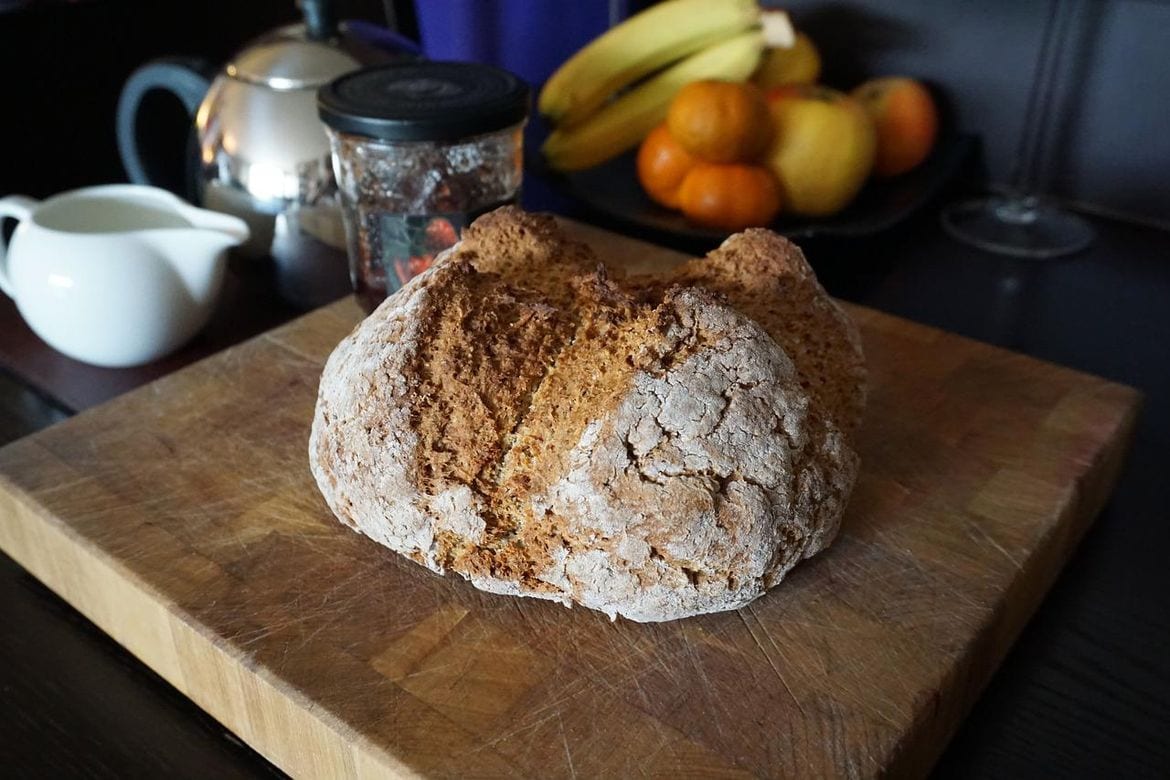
{"points": [[16, 207]]}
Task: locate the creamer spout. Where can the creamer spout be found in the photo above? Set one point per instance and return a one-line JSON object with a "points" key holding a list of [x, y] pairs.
{"points": [[233, 230]]}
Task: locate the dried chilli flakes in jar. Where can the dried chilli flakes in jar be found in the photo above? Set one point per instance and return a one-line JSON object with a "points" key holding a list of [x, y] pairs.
{"points": [[420, 150]]}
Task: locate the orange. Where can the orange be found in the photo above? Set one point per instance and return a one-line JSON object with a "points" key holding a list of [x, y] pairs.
{"points": [[720, 121], [662, 165], [905, 118], [729, 196]]}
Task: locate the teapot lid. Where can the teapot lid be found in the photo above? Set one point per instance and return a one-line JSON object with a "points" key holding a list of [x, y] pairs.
{"points": [[287, 59]]}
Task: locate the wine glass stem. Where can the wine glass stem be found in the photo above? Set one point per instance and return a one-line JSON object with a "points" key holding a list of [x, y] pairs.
{"points": [[1030, 173]]}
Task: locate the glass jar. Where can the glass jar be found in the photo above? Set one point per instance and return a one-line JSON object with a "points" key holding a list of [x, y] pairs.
{"points": [[420, 150]]}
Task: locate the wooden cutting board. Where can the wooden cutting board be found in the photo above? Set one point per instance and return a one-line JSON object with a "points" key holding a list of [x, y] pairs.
{"points": [[183, 521]]}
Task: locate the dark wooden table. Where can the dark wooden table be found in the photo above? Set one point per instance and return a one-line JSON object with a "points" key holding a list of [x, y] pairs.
{"points": [[1085, 692]]}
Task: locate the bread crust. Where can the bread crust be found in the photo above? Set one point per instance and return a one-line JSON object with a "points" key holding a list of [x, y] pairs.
{"points": [[647, 450], [766, 277]]}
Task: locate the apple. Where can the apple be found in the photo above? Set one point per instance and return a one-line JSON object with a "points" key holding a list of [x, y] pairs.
{"points": [[906, 120], [800, 63], [823, 148]]}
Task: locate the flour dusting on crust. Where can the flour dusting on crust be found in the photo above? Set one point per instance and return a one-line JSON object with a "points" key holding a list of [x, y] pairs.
{"points": [[645, 452]]}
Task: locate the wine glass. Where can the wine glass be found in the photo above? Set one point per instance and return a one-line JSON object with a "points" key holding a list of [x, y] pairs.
{"points": [[1021, 223]]}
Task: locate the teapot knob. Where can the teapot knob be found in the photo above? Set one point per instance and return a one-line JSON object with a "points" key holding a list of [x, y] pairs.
{"points": [[320, 22]]}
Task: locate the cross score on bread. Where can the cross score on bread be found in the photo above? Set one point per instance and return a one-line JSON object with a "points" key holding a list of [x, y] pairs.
{"points": [[651, 447]]}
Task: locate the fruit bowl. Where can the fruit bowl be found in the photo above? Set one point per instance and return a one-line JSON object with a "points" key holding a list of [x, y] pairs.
{"points": [[611, 190]]}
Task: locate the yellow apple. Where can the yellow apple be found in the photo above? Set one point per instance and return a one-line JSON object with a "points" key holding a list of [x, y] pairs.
{"points": [[822, 150], [800, 63]]}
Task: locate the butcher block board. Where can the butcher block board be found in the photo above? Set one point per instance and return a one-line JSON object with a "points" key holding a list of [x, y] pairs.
{"points": [[181, 519]]}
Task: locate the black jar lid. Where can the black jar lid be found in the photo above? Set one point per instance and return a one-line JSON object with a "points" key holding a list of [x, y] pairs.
{"points": [[423, 101]]}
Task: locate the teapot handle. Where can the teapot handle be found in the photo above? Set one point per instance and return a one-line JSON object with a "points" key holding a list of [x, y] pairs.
{"points": [[16, 207], [185, 77]]}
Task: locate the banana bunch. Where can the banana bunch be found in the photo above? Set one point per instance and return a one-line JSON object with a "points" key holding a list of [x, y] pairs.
{"points": [[605, 98]]}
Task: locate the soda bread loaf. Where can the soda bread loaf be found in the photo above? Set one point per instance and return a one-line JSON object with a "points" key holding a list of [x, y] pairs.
{"points": [[637, 446]]}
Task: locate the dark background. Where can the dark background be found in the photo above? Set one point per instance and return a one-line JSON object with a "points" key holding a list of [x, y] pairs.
{"points": [[64, 64], [1109, 148]]}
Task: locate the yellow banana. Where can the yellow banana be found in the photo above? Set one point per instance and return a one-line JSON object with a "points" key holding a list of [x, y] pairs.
{"points": [[622, 124], [638, 46]]}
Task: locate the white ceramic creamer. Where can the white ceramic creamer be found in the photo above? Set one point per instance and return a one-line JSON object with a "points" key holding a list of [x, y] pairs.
{"points": [[116, 275]]}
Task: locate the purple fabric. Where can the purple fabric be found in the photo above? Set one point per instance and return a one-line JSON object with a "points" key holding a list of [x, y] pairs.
{"points": [[527, 37]]}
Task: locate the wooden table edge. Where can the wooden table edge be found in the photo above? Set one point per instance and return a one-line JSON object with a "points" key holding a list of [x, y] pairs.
{"points": [[1020, 601]]}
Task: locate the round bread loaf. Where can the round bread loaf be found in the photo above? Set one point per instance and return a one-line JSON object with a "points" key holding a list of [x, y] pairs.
{"points": [[646, 451]]}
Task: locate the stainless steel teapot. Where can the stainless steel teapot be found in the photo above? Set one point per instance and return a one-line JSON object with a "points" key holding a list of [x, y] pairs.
{"points": [[261, 152]]}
